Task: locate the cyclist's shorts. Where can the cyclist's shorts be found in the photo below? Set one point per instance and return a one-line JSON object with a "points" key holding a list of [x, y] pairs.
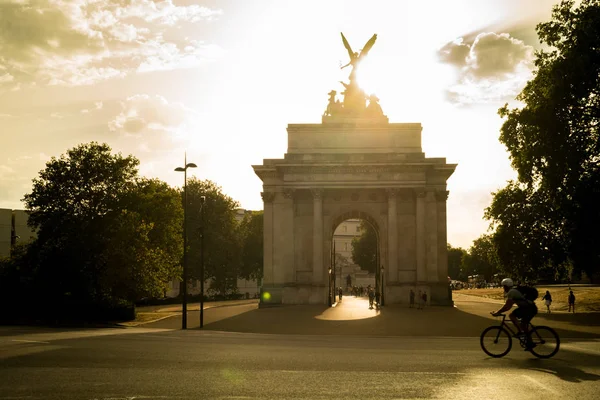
{"points": [[526, 313]]}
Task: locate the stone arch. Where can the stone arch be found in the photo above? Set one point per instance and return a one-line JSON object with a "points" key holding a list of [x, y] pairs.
{"points": [[356, 211], [355, 214]]}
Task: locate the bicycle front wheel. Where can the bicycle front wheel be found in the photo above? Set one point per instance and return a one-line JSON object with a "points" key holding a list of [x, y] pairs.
{"points": [[546, 341], [496, 341]]}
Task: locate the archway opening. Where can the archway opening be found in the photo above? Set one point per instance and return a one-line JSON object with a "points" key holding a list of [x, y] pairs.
{"points": [[355, 269]]}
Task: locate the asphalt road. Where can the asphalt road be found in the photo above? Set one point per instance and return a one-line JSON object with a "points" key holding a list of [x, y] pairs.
{"points": [[150, 363]]}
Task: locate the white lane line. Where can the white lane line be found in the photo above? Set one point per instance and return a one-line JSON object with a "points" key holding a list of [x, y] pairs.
{"points": [[28, 341], [534, 381]]}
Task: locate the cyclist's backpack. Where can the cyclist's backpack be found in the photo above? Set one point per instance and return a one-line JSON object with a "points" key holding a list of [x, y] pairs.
{"points": [[529, 292]]}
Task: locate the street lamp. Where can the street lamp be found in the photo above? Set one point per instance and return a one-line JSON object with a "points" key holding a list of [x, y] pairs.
{"points": [[202, 201], [329, 297], [185, 271], [334, 271], [382, 286]]}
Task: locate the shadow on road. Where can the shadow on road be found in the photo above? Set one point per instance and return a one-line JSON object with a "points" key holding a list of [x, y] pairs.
{"points": [[562, 370], [583, 319], [392, 320]]}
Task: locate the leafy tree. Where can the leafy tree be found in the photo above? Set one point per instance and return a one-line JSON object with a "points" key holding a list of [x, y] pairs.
{"points": [[103, 236], [251, 235], [554, 145], [159, 208], [455, 258], [482, 258], [364, 248], [222, 243], [526, 243]]}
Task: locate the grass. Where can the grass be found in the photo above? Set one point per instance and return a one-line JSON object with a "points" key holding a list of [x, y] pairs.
{"points": [[587, 299], [143, 317]]}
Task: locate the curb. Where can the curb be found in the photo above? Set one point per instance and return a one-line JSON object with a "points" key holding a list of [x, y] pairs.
{"points": [[176, 313]]}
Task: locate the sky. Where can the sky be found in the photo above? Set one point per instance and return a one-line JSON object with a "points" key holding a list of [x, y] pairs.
{"points": [[221, 80]]}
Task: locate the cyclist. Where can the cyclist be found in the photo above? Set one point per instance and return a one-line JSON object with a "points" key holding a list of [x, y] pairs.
{"points": [[525, 311]]}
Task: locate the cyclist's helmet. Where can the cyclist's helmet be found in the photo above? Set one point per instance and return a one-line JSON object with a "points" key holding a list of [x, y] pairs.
{"points": [[507, 282]]}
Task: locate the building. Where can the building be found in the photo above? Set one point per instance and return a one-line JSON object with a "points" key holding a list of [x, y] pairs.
{"points": [[343, 236]]}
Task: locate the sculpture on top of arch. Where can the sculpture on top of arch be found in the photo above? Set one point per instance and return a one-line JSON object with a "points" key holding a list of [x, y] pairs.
{"points": [[354, 104]]}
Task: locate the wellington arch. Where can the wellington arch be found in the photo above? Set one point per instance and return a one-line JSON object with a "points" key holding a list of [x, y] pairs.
{"points": [[354, 164]]}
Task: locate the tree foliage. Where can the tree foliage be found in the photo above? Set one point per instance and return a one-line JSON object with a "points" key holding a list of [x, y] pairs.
{"points": [[482, 258], [104, 236], [222, 244], [364, 248], [455, 259], [250, 231], [550, 216]]}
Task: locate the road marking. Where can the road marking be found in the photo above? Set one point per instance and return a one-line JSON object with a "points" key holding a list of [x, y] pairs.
{"points": [[541, 385], [28, 341]]}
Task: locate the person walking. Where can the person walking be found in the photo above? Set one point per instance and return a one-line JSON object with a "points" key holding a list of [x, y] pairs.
{"points": [[547, 300], [424, 299], [371, 295], [411, 298], [571, 301]]}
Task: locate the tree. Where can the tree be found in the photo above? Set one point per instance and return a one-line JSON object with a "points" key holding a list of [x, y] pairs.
{"points": [[553, 142], [159, 207], [222, 243], [527, 245], [104, 236], [482, 258], [455, 258], [251, 235], [364, 248]]}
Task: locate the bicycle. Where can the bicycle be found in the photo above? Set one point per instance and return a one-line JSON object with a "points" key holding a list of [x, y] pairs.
{"points": [[496, 341]]}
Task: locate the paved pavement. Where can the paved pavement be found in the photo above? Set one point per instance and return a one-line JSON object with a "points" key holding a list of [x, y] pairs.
{"points": [[150, 363], [352, 317]]}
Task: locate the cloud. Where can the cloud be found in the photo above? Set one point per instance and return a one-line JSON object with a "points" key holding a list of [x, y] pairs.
{"points": [[80, 42], [492, 67], [97, 106], [153, 122]]}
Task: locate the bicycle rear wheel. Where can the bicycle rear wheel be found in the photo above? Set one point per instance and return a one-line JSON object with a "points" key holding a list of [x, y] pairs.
{"points": [[546, 341], [496, 341]]}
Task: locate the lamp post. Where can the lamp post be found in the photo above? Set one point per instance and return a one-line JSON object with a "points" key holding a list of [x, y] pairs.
{"points": [[334, 271], [202, 202], [329, 296], [382, 286], [185, 271]]}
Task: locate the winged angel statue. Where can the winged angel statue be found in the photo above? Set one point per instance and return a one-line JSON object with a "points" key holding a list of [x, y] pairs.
{"points": [[354, 96], [356, 57]]}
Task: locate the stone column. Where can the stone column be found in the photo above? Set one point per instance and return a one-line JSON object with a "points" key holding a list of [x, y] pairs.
{"points": [[420, 239], [442, 197], [317, 236], [287, 237], [268, 198], [392, 267], [431, 222]]}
